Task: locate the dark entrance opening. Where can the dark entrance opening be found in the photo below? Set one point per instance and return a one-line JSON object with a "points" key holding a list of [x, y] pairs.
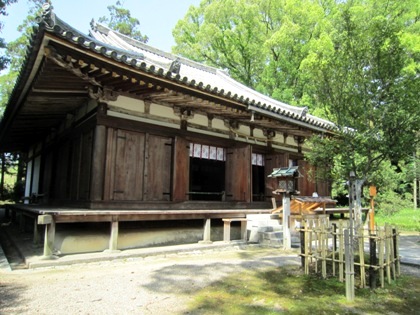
{"points": [[258, 183], [207, 179]]}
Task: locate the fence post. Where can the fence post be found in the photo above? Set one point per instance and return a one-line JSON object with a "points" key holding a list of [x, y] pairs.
{"points": [[341, 251], [361, 237], [324, 248], [388, 254], [349, 266], [397, 250], [381, 245], [372, 252], [334, 246], [302, 245]]}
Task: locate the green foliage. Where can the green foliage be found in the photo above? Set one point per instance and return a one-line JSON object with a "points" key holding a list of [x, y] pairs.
{"points": [[121, 21], [367, 83], [3, 59], [405, 219], [16, 54], [227, 34], [353, 62]]}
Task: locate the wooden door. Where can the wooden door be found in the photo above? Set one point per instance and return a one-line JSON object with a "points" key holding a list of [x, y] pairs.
{"points": [[158, 170], [238, 173], [128, 166], [181, 169]]}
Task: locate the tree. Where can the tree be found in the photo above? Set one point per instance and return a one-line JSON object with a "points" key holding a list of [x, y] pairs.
{"points": [[121, 21], [353, 62], [227, 34], [261, 43], [367, 80], [3, 59], [15, 55]]}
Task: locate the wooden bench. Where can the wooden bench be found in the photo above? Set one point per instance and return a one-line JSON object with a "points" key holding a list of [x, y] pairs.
{"points": [[226, 228]]}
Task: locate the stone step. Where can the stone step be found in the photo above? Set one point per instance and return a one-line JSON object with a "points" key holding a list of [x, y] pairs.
{"points": [[275, 238]]}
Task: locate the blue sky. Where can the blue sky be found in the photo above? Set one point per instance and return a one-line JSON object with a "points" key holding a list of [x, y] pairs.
{"points": [[157, 17]]}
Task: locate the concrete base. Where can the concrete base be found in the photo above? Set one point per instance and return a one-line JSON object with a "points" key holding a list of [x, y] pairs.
{"points": [[72, 241]]}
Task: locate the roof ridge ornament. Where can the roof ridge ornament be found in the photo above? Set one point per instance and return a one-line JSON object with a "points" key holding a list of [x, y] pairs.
{"points": [[175, 66], [47, 15]]}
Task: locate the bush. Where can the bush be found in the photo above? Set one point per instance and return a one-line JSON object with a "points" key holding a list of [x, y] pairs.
{"points": [[390, 202]]}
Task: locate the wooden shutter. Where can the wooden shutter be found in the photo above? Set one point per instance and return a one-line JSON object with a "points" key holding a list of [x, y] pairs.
{"points": [[181, 169], [158, 171], [238, 174], [128, 166]]}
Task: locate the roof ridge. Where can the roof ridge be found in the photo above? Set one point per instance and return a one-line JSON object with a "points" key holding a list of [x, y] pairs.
{"points": [[161, 53]]}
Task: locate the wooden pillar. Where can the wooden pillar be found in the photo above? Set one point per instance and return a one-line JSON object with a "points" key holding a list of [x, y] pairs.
{"points": [[98, 164]]}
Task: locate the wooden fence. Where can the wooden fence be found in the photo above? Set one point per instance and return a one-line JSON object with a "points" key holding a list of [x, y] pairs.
{"points": [[375, 253]]}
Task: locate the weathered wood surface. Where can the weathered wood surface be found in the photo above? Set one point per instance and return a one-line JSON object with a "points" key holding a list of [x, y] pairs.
{"points": [[63, 215]]}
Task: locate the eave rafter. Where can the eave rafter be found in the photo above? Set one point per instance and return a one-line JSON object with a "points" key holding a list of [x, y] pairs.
{"points": [[144, 87]]}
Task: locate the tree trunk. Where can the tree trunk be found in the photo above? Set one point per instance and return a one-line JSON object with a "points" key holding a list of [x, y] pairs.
{"points": [[355, 195]]}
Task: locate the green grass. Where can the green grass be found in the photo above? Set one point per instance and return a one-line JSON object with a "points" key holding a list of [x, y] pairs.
{"points": [[405, 220], [287, 291]]}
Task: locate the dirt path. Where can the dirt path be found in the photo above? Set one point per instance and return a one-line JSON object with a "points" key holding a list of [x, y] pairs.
{"points": [[153, 285]]}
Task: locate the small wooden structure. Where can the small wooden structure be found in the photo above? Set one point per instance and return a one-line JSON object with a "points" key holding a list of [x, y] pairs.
{"points": [[302, 205]]}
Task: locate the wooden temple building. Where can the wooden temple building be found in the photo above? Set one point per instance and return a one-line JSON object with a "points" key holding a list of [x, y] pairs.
{"points": [[114, 131]]}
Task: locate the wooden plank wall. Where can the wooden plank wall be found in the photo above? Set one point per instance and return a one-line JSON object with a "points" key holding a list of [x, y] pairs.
{"points": [[238, 173], [181, 169], [138, 166]]}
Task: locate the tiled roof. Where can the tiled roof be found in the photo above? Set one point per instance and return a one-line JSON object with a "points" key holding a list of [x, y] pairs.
{"points": [[206, 76], [126, 50]]}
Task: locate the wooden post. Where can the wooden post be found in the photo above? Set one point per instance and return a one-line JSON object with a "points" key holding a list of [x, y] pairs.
{"points": [[373, 262], [334, 247], [349, 264], [372, 193], [362, 257], [381, 245], [388, 240], [397, 250], [287, 244], [324, 247], [302, 246], [341, 251]]}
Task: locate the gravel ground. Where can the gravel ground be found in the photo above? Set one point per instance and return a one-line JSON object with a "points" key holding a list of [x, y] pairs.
{"points": [[152, 285]]}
